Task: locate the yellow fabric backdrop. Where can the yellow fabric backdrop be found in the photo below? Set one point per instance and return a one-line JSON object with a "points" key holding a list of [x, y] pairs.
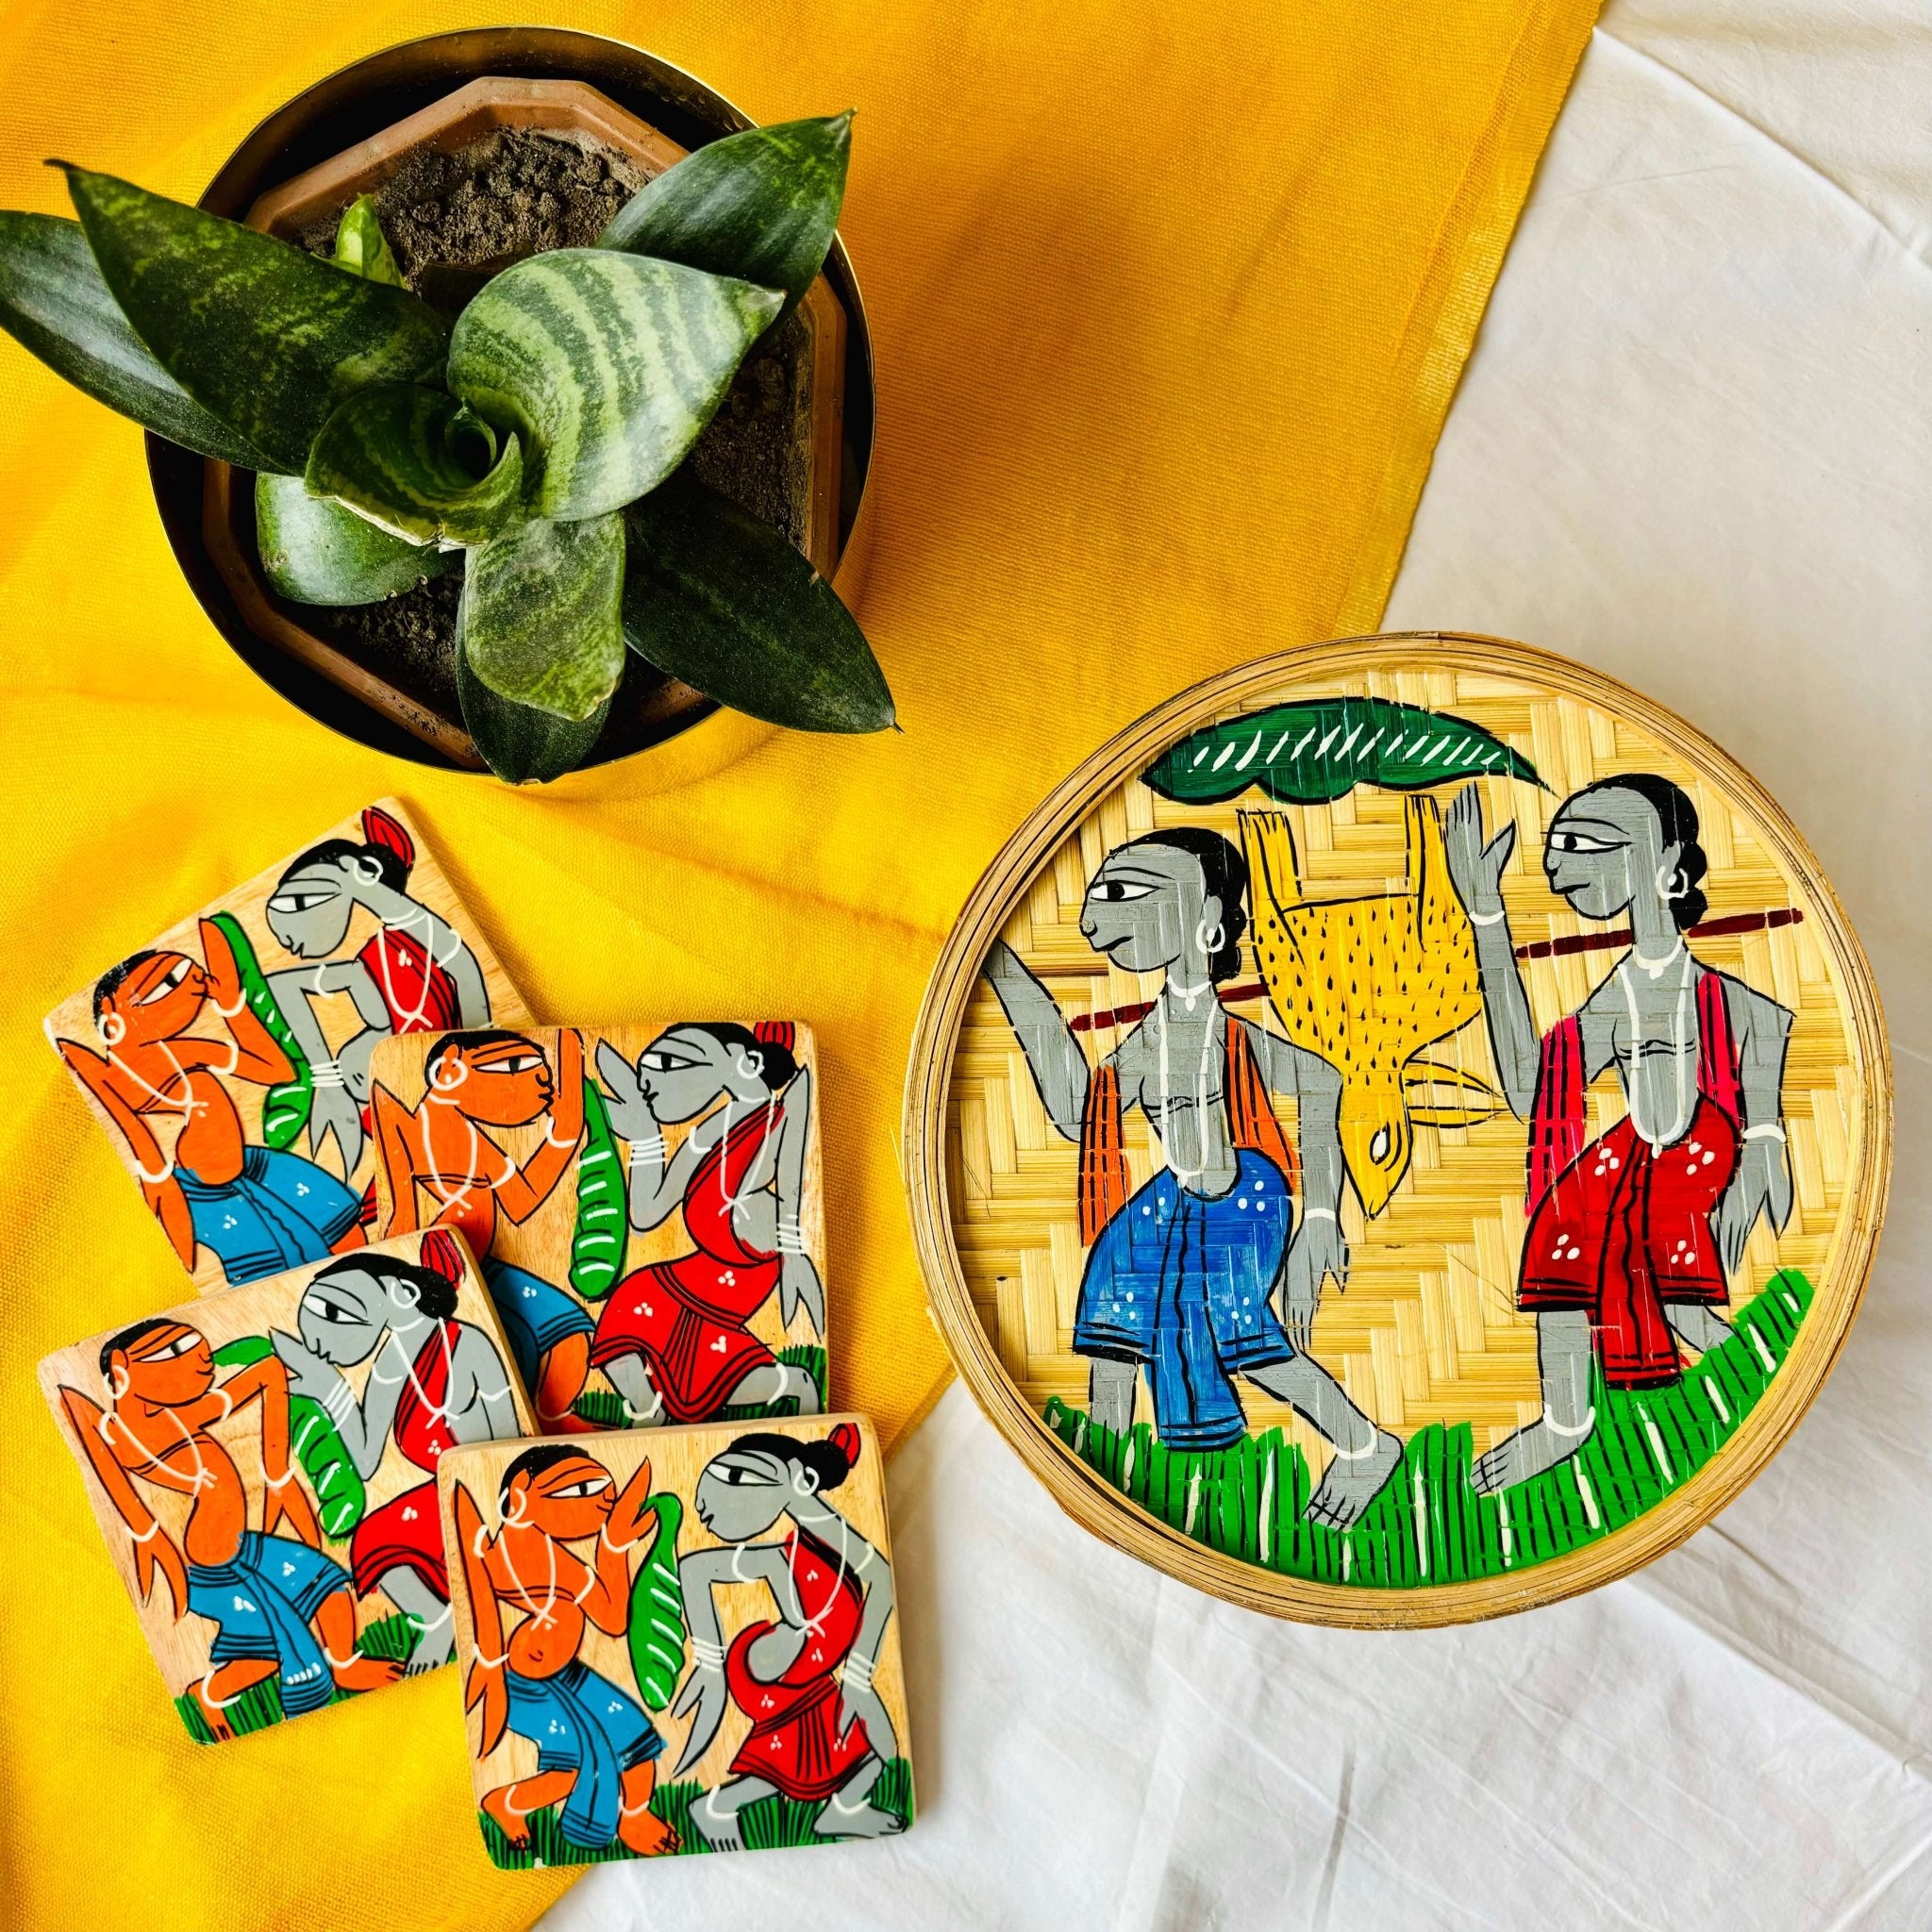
{"points": [[1168, 305]]}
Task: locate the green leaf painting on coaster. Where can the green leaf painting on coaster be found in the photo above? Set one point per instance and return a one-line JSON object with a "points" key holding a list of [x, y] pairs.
{"points": [[54, 303], [315, 1443], [718, 598], [1312, 752], [419, 464], [265, 337], [316, 552], [603, 1230], [762, 205], [608, 365], [521, 745], [362, 248], [540, 616], [284, 1108], [656, 1631]]}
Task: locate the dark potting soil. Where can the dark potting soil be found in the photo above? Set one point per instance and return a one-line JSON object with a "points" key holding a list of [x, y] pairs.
{"points": [[452, 220]]}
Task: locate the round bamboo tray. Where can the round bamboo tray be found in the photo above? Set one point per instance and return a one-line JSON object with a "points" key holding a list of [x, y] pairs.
{"points": [[1427, 1338]]}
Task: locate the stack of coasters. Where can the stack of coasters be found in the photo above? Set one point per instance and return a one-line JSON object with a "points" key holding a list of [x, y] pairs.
{"points": [[334, 1100]]}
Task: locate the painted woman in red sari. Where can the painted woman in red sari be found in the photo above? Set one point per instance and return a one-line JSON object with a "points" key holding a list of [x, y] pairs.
{"points": [[1633, 1238], [819, 1732], [414, 973], [675, 1338]]}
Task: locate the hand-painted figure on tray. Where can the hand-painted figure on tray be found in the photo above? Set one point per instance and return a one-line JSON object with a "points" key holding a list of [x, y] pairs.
{"points": [[596, 1750], [441, 1156], [1182, 1280], [259, 1209], [434, 1381], [280, 1608], [1632, 1238], [819, 1732], [673, 1337], [414, 974]]}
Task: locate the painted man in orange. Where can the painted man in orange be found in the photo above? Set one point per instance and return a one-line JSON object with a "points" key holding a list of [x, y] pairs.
{"points": [[476, 1081], [279, 1606], [259, 1209], [596, 1750]]}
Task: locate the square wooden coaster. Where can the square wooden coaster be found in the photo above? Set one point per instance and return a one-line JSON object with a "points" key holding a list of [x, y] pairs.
{"points": [[647, 1201], [679, 1639], [228, 1061], [263, 1464]]}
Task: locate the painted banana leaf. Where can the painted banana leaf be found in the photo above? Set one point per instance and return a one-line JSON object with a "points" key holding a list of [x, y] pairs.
{"points": [[656, 1630], [597, 1250], [314, 1442], [284, 1108], [1322, 749], [54, 304]]}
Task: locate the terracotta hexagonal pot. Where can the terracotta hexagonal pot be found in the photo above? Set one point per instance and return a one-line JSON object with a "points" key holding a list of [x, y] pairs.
{"points": [[452, 91]]}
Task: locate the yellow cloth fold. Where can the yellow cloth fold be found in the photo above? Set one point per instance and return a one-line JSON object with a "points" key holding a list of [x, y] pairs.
{"points": [[1168, 307]]}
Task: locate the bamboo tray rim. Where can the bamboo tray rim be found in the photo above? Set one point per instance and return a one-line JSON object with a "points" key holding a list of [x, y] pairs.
{"points": [[1081, 1491]]}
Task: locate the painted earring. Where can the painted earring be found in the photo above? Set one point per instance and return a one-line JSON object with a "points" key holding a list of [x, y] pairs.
{"points": [[1210, 939], [1666, 875], [113, 1030], [751, 1066]]}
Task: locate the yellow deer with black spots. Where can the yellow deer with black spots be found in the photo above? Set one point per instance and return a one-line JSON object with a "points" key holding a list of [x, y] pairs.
{"points": [[1368, 984]]}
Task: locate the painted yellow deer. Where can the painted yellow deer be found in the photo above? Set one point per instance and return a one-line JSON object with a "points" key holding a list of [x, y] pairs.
{"points": [[1368, 984]]}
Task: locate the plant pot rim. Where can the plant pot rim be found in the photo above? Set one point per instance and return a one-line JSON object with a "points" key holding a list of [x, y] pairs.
{"points": [[368, 95]]}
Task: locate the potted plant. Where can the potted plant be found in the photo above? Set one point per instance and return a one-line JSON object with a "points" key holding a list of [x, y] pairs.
{"points": [[529, 432]]}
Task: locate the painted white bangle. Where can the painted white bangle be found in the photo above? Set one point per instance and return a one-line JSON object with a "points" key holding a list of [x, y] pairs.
{"points": [[148, 1535], [282, 1481], [488, 1664], [711, 1656], [325, 1074], [551, 1140], [1495, 918], [858, 1672], [1770, 1130], [1317, 1214], [653, 1151], [1570, 1435]]}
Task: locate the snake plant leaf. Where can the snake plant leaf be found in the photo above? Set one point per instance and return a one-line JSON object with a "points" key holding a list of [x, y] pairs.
{"points": [[762, 205], [607, 364], [266, 338], [519, 743], [54, 303], [655, 1629], [1318, 750], [541, 614], [316, 552], [362, 248], [718, 598], [419, 463]]}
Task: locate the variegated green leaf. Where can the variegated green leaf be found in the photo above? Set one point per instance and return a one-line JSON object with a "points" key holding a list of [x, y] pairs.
{"points": [[54, 303], [419, 463], [362, 248], [317, 551], [263, 336], [519, 743], [541, 618], [762, 205], [608, 365], [715, 597], [1318, 750]]}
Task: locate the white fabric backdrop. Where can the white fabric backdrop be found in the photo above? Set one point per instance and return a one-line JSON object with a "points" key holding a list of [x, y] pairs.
{"points": [[1694, 447]]}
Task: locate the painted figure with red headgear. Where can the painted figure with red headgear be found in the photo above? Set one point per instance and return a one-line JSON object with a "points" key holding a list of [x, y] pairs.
{"points": [[413, 975], [434, 1381], [675, 1337]]}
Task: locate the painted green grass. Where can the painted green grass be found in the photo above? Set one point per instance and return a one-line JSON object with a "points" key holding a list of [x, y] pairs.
{"points": [[1429, 1527], [770, 1825], [260, 1705], [605, 1406]]}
